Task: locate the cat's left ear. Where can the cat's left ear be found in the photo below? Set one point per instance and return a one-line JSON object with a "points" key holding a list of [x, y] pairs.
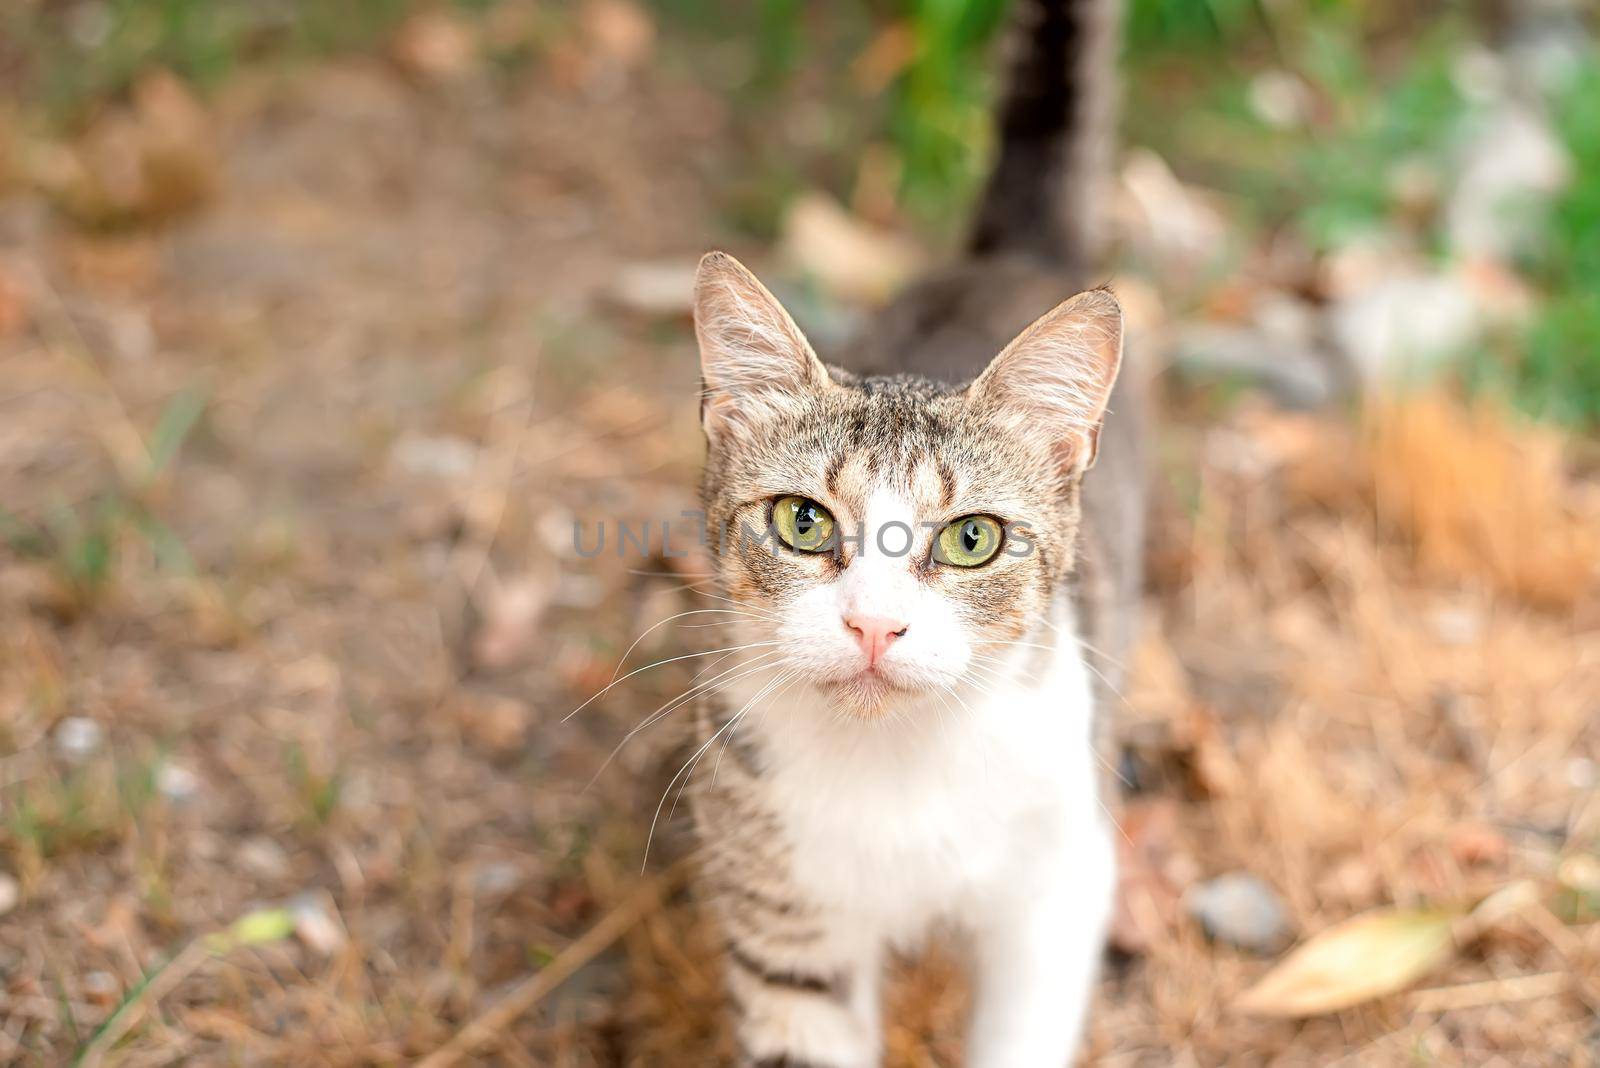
{"points": [[1056, 377], [754, 362]]}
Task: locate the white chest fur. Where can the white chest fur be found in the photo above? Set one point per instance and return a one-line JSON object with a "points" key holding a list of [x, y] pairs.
{"points": [[939, 809]]}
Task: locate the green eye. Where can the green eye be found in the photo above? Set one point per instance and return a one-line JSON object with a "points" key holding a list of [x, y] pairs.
{"points": [[803, 524], [968, 542]]}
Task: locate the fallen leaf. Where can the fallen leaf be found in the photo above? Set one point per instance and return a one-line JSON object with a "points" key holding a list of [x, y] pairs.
{"points": [[254, 929], [1377, 953], [1366, 957]]}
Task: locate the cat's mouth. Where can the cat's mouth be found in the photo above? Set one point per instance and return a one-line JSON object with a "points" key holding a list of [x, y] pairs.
{"points": [[866, 691]]}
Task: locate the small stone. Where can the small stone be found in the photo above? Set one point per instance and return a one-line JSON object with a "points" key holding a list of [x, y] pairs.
{"points": [[315, 926], [1281, 100], [101, 988], [78, 737], [1583, 773], [264, 858], [496, 878], [1514, 162], [1295, 375], [1406, 323], [1457, 626], [1241, 910], [177, 783], [440, 457], [10, 893]]}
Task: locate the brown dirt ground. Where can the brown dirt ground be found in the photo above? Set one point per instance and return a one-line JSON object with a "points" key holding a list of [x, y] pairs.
{"points": [[1372, 674]]}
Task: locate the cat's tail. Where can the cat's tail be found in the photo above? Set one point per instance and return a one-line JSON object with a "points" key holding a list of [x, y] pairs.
{"points": [[1045, 196]]}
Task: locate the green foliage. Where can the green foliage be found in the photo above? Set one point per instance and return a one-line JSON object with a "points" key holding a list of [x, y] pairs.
{"points": [[82, 809], [177, 420], [1188, 24], [1330, 177], [1344, 173], [82, 540], [319, 793], [779, 40], [1574, 247], [935, 111], [939, 111], [1559, 374]]}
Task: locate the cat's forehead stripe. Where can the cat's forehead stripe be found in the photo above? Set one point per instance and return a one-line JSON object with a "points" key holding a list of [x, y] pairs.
{"points": [[830, 477], [928, 486], [947, 484], [852, 482]]}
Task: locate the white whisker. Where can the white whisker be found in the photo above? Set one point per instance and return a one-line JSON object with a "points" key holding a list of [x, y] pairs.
{"points": [[688, 769], [662, 663], [654, 626], [713, 685]]}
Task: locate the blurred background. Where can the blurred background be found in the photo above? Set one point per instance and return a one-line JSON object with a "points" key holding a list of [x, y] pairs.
{"points": [[321, 324]]}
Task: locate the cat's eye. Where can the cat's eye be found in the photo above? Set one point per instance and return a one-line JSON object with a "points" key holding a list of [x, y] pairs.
{"points": [[968, 542], [803, 524]]}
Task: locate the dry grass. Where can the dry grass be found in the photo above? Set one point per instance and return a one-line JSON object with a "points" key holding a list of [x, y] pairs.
{"points": [[1371, 674]]}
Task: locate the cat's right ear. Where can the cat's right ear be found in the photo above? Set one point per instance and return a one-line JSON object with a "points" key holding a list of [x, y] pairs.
{"points": [[754, 362]]}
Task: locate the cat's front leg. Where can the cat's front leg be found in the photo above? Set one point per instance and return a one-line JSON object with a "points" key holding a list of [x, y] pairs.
{"points": [[1038, 948], [804, 984], [802, 979], [801, 1007]]}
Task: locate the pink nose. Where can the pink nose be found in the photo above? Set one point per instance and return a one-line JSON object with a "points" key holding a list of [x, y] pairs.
{"points": [[875, 634]]}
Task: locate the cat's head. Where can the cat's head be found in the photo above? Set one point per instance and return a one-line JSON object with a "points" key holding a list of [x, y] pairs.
{"points": [[888, 537]]}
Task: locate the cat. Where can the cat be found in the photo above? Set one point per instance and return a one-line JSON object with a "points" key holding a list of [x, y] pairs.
{"points": [[930, 592]]}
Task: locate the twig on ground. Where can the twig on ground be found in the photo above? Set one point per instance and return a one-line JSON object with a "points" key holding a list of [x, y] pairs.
{"points": [[1491, 992], [596, 940]]}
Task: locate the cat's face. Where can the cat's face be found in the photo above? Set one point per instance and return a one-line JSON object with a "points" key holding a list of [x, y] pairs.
{"points": [[892, 537]]}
